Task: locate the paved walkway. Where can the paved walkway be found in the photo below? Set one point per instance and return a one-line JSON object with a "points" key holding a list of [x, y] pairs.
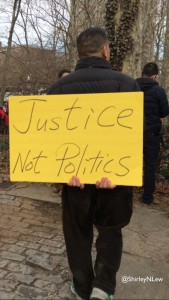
{"points": [[33, 262]]}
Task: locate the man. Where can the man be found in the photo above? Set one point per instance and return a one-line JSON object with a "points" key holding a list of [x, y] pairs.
{"points": [[107, 207], [63, 72], [155, 108]]}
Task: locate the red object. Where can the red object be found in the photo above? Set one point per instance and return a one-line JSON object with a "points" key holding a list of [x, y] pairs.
{"points": [[4, 118]]}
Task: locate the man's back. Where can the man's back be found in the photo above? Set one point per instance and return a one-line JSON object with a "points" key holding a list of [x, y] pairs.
{"points": [[155, 103], [93, 75], [155, 108]]}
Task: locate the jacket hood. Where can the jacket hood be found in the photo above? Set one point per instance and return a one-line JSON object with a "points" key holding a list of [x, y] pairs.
{"points": [[145, 83], [93, 62]]}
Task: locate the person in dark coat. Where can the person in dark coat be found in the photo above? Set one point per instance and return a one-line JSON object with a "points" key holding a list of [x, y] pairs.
{"points": [[155, 107], [63, 72], [104, 205]]}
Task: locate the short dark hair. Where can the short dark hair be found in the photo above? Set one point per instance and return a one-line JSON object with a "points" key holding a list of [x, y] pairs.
{"points": [[150, 69], [61, 72], [91, 41]]}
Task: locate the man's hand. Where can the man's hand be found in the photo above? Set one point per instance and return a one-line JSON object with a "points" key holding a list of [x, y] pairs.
{"points": [[75, 181], [105, 183]]}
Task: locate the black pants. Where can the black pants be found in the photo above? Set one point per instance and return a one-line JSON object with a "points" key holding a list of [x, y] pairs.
{"points": [[151, 152], [109, 210]]}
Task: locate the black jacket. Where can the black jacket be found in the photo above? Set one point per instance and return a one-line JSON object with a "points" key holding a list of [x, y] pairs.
{"points": [[93, 75], [155, 104]]}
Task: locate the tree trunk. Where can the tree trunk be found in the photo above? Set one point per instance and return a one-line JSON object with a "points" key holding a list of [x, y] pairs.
{"points": [[160, 30], [15, 12], [121, 17], [83, 14], [132, 63], [149, 20], [165, 65]]}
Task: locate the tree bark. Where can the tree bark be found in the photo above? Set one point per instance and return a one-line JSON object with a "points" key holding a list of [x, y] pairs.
{"points": [[165, 65], [83, 14], [149, 20], [120, 23], [15, 13], [133, 60]]}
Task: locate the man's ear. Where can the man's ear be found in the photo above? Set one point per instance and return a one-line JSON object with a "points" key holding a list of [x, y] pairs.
{"points": [[154, 77], [105, 52]]}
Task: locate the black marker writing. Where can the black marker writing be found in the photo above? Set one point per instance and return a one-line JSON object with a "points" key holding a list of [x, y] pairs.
{"points": [[71, 109], [28, 163], [73, 118], [71, 159]]}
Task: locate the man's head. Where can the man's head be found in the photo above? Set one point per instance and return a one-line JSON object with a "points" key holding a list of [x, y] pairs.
{"points": [[150, 70], [93, 42], [64, 72]]}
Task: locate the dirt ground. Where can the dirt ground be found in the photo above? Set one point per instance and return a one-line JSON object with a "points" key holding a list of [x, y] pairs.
{"points": [[162, 197]]}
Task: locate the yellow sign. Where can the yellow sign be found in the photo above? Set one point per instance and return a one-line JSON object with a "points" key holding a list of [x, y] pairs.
{"points": [[53, 138]]}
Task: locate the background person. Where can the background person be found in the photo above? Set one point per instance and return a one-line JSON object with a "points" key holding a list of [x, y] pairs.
{"points": [[107, 207], [4, 119], [155, 108], [63, 73]]}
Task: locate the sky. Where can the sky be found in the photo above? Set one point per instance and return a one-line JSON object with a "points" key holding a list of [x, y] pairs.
{"points": [[41, 18]]}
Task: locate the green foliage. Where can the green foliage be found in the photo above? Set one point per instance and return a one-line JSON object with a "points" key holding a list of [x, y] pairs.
{"points": [[164, 159], [4, 153], [119, 32], [4, 146]]}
